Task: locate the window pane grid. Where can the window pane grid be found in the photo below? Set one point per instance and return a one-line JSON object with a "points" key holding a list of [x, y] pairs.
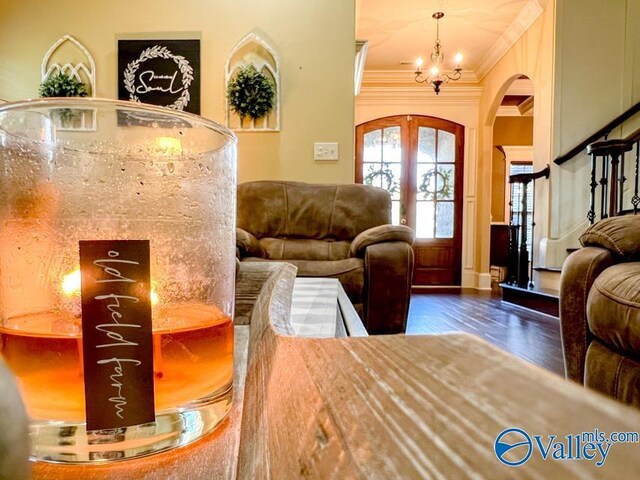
{"points": [[382, 164], [516, 203], [435, 180]]}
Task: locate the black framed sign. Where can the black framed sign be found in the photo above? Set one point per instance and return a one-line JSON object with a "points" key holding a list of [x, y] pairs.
{"points": [[160, 72]]}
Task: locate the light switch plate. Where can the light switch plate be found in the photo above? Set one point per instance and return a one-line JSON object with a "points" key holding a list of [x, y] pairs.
{"points": [[325, 151]]}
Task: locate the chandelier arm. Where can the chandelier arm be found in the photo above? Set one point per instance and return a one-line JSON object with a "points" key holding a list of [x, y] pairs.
{"points": [[454, 76], [420, 78]]}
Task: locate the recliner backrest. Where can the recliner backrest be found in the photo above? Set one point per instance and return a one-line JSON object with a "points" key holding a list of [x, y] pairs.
{"points": [[316, 211]]}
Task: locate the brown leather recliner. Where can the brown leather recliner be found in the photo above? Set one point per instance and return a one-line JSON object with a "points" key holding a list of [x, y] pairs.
{"points": [[600, 309], [339, 231]]}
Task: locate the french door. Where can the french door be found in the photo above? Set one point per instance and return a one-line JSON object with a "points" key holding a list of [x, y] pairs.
{"points": [[419, 161]]}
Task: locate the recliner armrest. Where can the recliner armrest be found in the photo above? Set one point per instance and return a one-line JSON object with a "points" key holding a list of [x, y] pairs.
{"points": [[620, 235], [248, 245], [579, 272], [380, 234]]}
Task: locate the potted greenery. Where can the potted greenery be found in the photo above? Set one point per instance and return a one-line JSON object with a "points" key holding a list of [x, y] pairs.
{"points": [[62, 85], [250, 93]]}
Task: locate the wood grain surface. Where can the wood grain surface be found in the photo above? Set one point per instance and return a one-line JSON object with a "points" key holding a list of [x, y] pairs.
{"points": [[396, 407]]}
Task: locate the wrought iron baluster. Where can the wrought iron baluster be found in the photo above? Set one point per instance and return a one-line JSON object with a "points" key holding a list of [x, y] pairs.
{"points": [[604, 183], [610, 198], [613, 187], [591, 216], [523, 254], [635, 201], [513, 242], [621, 180], [533, 230]]}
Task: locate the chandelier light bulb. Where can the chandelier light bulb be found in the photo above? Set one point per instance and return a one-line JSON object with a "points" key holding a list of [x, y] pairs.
{"points": [[419, 63], [435, 71], [458, 59]]}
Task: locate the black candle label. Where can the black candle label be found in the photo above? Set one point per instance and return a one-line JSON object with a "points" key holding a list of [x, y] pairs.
{"points": [[117, 336]]}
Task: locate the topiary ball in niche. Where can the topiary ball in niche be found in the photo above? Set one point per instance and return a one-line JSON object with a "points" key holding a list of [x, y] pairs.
{"points": [[62, 85], [250, 93]]}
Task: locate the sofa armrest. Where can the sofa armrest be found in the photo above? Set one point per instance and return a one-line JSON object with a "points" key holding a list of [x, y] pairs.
{"points": [[380, 234], [579, 272], [247, 245], [388, 271]]}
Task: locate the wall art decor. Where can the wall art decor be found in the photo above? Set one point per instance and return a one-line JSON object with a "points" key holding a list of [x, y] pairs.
{"points": [[160, 72], [68, 70], [251, 105]]}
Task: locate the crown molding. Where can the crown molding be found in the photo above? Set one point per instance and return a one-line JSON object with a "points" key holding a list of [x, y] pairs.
{"points": [[529, 14], [526, 107], [410, 95], [508, 111], [518, 153], [406, 77]]}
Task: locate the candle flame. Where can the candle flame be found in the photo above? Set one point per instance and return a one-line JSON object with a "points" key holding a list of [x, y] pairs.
{"points": [[72, 282], [154, 297]]}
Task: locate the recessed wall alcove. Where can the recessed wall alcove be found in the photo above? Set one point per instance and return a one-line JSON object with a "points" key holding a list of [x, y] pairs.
{"points": [[255, 51]]}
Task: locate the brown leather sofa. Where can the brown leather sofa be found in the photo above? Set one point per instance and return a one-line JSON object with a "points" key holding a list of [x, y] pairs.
{"points": [[339, 231], [600, 309]]}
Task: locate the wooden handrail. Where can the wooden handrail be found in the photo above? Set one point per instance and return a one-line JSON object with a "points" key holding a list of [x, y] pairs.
{"points": [[527, 177], [600, 133], [634, 137]]}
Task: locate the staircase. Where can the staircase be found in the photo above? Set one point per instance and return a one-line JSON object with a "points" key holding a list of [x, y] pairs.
{"points": [[614, 189], [518, 287]]}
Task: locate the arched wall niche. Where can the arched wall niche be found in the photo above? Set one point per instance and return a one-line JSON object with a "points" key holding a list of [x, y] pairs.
{"points": [[67, 55], [255, 51]]}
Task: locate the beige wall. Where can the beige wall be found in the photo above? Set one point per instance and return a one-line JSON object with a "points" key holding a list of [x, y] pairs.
{"points": [[506, 131], [597, 78], [532, 55], [513, 131], [315, 42]]}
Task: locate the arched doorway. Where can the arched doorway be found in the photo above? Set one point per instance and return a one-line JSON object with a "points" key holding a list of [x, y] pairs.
{"points": [[419, 160], [512, 154]]}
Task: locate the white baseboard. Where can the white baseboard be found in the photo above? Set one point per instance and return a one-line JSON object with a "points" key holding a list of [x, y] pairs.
{"points": [[484, 281], [480, 281]]}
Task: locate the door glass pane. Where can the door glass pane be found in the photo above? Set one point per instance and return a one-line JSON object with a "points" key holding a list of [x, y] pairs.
{"points": [[370, 174], [395, 212], [382, 163], [426, 181], [444, 182], [372, 146], [425, 215], [383, 175], [446, 146], [444, 220], [392, 147], [426, 144]]}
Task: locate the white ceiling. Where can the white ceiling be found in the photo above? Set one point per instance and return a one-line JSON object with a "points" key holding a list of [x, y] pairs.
{"points": [[482, 30]]}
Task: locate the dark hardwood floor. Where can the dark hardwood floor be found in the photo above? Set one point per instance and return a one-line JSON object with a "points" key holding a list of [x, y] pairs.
{"points": [[530, 335]]}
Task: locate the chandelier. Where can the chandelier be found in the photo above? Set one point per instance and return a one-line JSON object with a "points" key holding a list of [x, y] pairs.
{"points": [[436, 76]]}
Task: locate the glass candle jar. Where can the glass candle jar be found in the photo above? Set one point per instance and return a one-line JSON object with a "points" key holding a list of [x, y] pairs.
{"points": [[119, 171]]}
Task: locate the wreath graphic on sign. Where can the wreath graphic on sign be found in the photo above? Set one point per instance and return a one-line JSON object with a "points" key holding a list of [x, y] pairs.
{"points": [[160, 52]]}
